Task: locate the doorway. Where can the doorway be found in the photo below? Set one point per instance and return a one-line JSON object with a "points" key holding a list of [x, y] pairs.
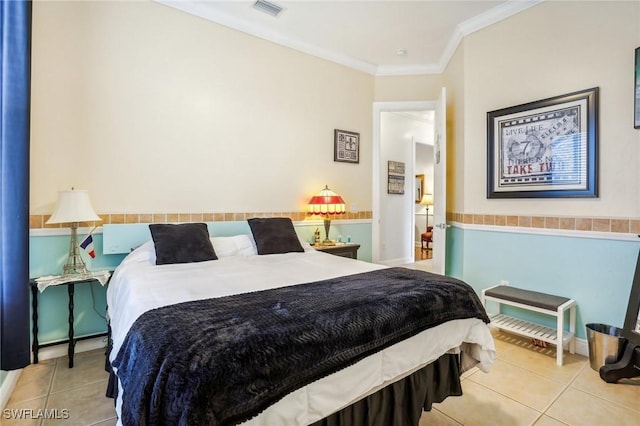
{"points": [[423, 167], [398, 127]]}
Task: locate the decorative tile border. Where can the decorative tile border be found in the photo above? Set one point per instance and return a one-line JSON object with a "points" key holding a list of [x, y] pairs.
{"points": [[39, 221], [598, 224]]}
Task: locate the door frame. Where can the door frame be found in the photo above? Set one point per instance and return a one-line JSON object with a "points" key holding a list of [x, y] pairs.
{"points": [[378, 109], [414, 159]]}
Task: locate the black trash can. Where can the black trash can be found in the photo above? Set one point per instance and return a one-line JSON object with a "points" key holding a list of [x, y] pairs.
{"points": [[605, 344]]}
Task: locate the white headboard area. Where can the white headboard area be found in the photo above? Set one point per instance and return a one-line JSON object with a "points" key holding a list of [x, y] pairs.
{"points": [[122, 238]]}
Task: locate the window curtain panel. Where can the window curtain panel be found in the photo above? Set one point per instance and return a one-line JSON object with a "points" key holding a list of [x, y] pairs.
{"points": [[14, 184]]}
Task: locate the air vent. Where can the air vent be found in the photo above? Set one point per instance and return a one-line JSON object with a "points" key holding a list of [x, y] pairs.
{"points": [[267, 7]]}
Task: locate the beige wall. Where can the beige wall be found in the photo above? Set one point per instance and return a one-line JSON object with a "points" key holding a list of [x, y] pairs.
{"points": [[152, 109], [552, 49], [408, 88], [454, 82], [155, 110]]}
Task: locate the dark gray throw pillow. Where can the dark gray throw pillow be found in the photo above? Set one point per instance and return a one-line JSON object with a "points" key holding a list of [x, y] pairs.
{"points": [[274, 235], [181, 243]]}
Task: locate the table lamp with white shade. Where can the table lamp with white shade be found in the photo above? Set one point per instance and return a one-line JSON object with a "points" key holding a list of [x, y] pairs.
{"points": [[73, 206]]}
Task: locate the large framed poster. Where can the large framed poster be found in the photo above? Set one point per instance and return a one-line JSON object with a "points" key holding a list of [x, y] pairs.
{"points": [[543, 149]]}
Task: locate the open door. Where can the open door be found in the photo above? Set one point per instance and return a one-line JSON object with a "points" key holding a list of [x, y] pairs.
{"points": [[440, 185], [392, 228]]}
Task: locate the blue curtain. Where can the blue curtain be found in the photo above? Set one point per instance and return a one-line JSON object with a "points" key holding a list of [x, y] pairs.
{"points": [[15, 49]]}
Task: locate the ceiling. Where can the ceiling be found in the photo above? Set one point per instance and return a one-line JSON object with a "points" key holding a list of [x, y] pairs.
{"points": [[365, 34]]}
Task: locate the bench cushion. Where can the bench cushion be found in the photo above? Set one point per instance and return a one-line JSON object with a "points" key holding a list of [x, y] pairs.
{"points": [[527, 297]]}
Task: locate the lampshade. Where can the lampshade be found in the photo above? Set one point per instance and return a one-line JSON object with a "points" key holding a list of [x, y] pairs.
{"points": [[73, 206], [326, 203], [427, 200]]}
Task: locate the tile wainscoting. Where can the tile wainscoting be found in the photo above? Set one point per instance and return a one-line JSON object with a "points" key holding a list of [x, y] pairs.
{"points": [[39, 221], [568, 223], [598, 224]]}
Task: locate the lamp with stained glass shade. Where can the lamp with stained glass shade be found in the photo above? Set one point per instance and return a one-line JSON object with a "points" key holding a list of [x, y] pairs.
{"points": [[327, 204]]}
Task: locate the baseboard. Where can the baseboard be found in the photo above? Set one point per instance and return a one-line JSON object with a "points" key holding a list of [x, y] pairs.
{"points": [[62, 349], [397, 262], [8, 386], [582, 347]]}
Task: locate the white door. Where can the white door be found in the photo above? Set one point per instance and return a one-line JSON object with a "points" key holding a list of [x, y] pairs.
{"points": [[440, 185], [392, 230]]}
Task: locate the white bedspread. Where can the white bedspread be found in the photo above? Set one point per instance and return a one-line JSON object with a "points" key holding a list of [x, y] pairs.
{"points": [[138, 285]]}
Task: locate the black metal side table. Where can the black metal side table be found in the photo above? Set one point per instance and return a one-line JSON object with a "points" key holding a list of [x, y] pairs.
{"points": [[71, 283]]}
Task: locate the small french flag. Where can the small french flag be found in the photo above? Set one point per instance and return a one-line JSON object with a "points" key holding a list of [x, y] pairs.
{"points": [[87, 245]]}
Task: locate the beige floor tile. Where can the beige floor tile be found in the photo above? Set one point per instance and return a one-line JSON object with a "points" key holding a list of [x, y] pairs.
{"points": [[34, 382], [87, 405], [542, 361], [436, 418], [626, 393], [87, 369], [505, 342], [578, 408], [508, 380], [480, 406], [545, 420], [110, 422], [26, 413], [470, 372], [79, 357]]}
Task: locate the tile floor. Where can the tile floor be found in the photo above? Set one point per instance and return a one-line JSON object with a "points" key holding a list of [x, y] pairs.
{"points": [[525, 387]]}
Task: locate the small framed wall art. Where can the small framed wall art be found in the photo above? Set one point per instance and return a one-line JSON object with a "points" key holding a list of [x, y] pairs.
{"points": [[395, 178], [544, 149], [346, 146]]}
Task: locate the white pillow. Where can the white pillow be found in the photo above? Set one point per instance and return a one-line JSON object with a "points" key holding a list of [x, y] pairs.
{"points": [[143, 253], [237, 245], [305, 245]]}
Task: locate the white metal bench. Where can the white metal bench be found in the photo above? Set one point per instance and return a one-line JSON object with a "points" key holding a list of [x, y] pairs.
{"points": [[538, 302]]}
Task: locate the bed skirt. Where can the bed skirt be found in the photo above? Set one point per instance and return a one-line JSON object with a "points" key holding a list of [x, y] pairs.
{"points": [[398, 404], [401, 403]]}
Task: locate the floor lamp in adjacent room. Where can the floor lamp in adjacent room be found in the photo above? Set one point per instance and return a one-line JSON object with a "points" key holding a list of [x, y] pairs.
{"points": [[426, 237], [427, 200]]}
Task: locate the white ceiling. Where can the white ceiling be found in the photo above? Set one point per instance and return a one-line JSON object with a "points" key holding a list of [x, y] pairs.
{"points": [[364, 34]]}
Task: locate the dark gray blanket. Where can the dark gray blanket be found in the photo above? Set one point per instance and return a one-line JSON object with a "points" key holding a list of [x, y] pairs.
{"points": [[222, 361]]}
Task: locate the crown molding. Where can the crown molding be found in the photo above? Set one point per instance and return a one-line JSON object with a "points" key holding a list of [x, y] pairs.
{"points": [[202, 10], [496, 14], [479, 22], [490, 17]]}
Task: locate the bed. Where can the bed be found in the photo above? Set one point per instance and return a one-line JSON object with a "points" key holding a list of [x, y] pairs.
{"points": [[173, 364]]}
